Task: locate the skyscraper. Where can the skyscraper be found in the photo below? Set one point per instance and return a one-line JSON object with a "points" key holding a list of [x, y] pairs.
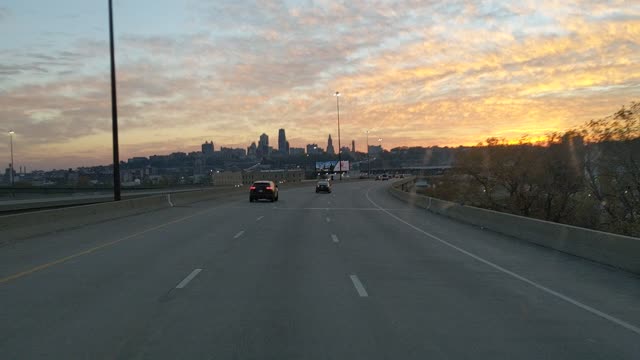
{"points": [[263, 145], [207, 148], [353, 146], [251, 150], [313, 149], [282, 142], [330, 149]]}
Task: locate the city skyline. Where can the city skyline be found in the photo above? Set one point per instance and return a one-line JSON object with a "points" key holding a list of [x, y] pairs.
{"points": [[416, 74], [208, 146]]}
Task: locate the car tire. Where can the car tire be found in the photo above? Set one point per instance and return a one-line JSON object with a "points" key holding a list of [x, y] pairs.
{"points": [[277, 198]]}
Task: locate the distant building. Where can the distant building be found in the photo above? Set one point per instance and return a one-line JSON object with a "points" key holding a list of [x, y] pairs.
{"points": [[232, 153], [199, 163], [296, 151], [313, 149], [353, 146], [282, 142], [287, 148], [251, 150], [330, 149], [375, 149], [227, 178], [137, 162], [207, 148], [263, 145], [345, 150]]}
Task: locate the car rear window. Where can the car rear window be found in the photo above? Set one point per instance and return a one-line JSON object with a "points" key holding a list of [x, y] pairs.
{"points": [[261, 184]]}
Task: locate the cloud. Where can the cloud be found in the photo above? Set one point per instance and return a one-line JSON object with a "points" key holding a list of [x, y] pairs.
{"points": [[415, 73]]}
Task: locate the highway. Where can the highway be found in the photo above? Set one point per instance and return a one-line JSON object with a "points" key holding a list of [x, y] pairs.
{"points": [[355, 274]]}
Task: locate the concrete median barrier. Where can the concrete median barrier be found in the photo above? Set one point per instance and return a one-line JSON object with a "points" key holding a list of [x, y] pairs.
{"points": [[21, 226], [611, 249]]}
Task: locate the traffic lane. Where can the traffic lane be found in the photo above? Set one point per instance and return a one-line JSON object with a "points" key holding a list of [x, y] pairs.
{"points": [[280, 293], [88, 306], [344, 195], [37, 250], [430, 298], [615, 292]]}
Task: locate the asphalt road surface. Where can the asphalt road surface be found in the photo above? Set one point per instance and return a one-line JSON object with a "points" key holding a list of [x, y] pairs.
{"points": [[355, 274]]}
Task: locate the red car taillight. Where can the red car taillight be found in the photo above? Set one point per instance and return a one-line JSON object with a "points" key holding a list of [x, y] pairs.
{"points": [[252, 188], [269, 188]]}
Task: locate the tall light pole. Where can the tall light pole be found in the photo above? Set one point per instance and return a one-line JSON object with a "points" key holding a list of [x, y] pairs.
{"points": [[381, 153], [368, 161], [337, 95], [11, 132], [114, 111]]}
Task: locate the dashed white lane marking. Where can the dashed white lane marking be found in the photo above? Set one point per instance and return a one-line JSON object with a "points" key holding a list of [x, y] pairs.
{"points": [[238, 234], [328, 220], [358, 285], [186, 280], [334, 238], [259, 218], [549, 291]]}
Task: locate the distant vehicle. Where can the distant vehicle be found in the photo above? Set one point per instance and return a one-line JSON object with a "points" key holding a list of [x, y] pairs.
{"points": [[263, 189], [384, 177], [378, 177], [324, 186]]}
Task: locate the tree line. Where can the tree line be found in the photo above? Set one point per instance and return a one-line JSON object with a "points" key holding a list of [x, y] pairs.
{"points": [[588, 176]]}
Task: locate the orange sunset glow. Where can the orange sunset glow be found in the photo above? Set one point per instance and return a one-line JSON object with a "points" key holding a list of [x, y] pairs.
{"points": [[412, 73]]}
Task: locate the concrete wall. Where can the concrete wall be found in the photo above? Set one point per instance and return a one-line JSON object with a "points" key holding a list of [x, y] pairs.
{"points": [[20, 226], [277, 176], [606, 248], [227, 178]]}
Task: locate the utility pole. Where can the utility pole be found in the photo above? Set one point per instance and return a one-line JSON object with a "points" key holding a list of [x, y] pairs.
{"points": [[114, 112]]}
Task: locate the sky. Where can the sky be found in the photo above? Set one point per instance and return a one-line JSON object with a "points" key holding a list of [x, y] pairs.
{"points": [[413, 73]]}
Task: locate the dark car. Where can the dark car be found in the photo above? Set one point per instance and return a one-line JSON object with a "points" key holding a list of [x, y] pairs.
{"points": [[263, 189], [323, 186]]}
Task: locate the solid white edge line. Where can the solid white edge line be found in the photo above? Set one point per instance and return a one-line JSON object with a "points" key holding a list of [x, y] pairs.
{"points": [[334, 237], [188, 279], [259, 218], [169, 200], [566, 298], [358, 285], [238, 234]]}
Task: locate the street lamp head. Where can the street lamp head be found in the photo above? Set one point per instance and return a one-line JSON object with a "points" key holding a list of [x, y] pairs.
{"points": [[337, 93], [11, 132]]}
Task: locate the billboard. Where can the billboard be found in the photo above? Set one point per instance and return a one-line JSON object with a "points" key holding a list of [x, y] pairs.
{"points": [[331, 166]]}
